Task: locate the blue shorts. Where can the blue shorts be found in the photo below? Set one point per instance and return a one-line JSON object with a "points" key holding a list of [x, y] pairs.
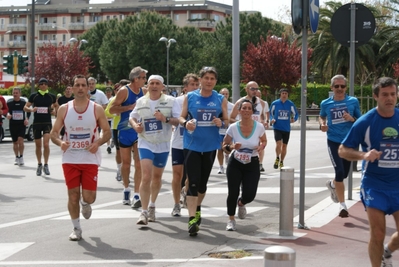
{"points": [[177, 156], [158, 159], [386, 201], [127, 138]]}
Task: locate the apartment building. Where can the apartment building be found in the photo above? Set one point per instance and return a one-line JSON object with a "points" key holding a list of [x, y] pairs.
{"points": [[57, 21]]}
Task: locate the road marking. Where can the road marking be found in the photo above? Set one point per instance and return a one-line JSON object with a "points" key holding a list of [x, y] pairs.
{"points": [[83, 262], [267, 190], [8, 249], [160, 213]]}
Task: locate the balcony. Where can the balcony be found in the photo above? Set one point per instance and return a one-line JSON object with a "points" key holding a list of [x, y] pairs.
{"points": [[201, 23], [45, 26], [17, 27], [16, 44], [76, 26], [91, 24], [39, 43]]}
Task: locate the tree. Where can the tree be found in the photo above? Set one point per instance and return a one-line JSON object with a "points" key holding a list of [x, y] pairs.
{"points": [[274, 63], [59, 64]]}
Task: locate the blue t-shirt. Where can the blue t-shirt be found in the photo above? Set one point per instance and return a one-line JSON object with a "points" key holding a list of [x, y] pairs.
{"points": [[205, 137], [334, 110], [131, 99], [372, 131], [282, 112]]}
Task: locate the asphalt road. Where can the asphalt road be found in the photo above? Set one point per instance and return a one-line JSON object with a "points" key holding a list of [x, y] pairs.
{"points": [[35, 225]]}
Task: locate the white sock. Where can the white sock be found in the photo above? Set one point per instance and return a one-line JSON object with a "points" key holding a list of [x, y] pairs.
{"points": [[76, 223], [343, 205], [136, 194], [152, 204], [332, 184], [83, 202], [127, 189], [119, 166]]}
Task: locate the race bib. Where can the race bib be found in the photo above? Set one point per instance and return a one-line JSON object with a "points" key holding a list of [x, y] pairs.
{"points": [[79, 141], [283, 115], [390, 155], [243, 155], [222, 131], [152, 126], [42, 110], [205, 117], [17, 115], [337, 114], [181, 131]]}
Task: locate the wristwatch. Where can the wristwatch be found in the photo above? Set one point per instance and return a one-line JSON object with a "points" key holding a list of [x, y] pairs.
{"points": [[167, 119]]}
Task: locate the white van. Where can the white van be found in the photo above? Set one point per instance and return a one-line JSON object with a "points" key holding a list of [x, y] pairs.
{"points": [[6, 128]]}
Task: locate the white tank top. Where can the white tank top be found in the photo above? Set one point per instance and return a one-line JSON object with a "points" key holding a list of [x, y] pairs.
{"points": [[80, 131]]}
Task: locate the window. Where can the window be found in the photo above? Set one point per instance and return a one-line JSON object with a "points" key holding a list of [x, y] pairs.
{"points": [[54, 37], [216, 18], [14, 21], [196, 16], [63, 37], [176, 17], [108, 18]]}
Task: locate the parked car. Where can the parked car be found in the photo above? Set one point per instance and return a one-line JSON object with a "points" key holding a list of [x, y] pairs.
{"points": [[5, 131]]}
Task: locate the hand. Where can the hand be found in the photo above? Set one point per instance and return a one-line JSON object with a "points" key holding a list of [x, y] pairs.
{"points": [[372, 155], [34, 109], [348, 117], [8, 116], [272, 122], [64, 145], [217, 121], [138, 127], [93, 147], [159, 116], [237, 146], [26, 122], [323, 128], [191, 125]]}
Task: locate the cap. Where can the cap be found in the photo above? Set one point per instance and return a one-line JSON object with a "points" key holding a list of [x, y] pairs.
{"points": [[283, 90], [156, 77], [43, 80]]}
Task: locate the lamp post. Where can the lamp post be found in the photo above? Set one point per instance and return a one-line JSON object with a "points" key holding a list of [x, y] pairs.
{"points": [[55, 26], [168, 42], [74, 40]]}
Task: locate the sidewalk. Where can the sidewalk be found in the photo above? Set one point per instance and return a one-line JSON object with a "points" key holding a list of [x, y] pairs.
{"points": [[312, 124]]}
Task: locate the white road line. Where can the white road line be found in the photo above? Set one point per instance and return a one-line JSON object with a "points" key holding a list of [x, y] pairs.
{"points": [[8, 249]]}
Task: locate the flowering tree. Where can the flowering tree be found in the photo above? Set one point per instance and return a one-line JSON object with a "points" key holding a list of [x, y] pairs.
{"points": [[59, 64], [273, 62]]}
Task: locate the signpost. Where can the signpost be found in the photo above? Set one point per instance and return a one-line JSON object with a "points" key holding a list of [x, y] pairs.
{"points": [[314, 15]]}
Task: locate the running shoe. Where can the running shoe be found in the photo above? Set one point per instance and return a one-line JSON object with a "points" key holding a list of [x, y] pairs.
{"points": [[231, 225], [386, 261], [176, 210], [76, 234], [333, 193], [109, 150], [21, 161], [198, 217], [136, 202], [281, 164], [151, 214], [126, 198], [242, 212], [261, 169], [86, 211], [118, 176], [276, 163], [221, 170], [112, 144], [39, 170], [193, 227], [143, 218], [16, 161], [343, 211], [46, 170], [183, 198]]}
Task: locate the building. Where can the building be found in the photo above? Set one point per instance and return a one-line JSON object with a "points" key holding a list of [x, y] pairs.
{"points": [[57, 21]]}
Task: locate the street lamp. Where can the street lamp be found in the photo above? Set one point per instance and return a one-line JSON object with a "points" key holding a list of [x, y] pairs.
{"points": [[168, 42], [74, 40], [55, 26]]}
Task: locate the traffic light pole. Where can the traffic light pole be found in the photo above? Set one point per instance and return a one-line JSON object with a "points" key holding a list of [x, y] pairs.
{"points": [[15, 67]]}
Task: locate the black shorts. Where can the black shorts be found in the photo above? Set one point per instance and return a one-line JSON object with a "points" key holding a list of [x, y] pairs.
{"points": [[285, 136], [40, 129], [115, 138], [17, 130]]}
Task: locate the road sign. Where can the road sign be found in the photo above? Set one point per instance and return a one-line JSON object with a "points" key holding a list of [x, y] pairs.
{"points": [[314, 15], [364, 29]]}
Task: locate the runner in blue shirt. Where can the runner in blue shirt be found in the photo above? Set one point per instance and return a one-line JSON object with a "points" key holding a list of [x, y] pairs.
{"points": [[337, 115], [377, 132], [282, 113]]}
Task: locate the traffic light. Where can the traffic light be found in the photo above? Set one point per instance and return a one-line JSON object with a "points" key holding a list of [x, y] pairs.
{"points": [[8, 64], [23, 64]]}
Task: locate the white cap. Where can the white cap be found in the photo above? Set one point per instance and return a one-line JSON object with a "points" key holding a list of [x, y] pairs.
{"points": [[156, 77]]}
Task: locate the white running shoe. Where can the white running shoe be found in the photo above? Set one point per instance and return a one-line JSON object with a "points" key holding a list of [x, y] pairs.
{"points": [[183, 198], [231, 225], [76, 234], [242, 212], [86, 211], [143, 219], [16, 161], [136, 202], [386, 262], [176, 210], [21, 161], [151, 214], [126, 198], [333, 193], [221, 170]]}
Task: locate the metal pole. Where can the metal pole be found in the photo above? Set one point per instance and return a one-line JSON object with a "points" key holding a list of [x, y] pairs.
{"points": [[352, 80], [304, 73], [279, 256], [32, 48], [236, 52], [286, 201], [167, 66]]}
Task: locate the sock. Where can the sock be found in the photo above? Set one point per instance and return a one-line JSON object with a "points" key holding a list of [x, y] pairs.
{"points": [[83, 202], [127, 189], [198, 208], [278, 158], [152, 204], [343, 205], [39, 164], [76, 223], [332, 184], [145, 211], [21, 156], [261, 165], [136, 194], [387, 251], [119, 166]]}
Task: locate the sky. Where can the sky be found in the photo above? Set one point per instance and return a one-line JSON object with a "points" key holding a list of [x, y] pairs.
{"points": [[275, 9]]}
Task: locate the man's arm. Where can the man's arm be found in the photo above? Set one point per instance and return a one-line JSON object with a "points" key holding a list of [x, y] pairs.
{"points": [[55, 131], [116, 106], [103, 124], [352, 154], [27, 107], [234, 112]]}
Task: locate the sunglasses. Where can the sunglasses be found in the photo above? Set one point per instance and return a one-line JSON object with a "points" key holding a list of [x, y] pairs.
{"points": [[42, 84], [339, 85], [253, 88]]}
